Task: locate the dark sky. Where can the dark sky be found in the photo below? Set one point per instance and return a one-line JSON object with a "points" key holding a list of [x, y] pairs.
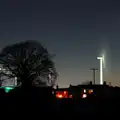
{"points": [[77, 31]]}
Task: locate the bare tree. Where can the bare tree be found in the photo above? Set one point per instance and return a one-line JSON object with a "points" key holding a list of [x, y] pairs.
{"points": [[29, 61]]}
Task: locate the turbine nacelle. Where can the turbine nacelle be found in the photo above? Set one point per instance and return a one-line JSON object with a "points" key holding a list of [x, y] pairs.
{"points": [[100, 58]]}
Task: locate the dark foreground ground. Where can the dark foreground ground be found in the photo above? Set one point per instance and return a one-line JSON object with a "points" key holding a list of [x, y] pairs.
{"points": [[39, 102]]}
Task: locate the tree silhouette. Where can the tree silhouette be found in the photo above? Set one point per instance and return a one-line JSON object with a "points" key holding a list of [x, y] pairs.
{"points": [[30, 62], [87, 82]]}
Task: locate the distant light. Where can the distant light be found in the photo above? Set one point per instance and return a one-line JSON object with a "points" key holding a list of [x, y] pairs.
{"points": [[70, 96], [84, 95], [65, 92], [84, 90], [90, 91], [7, 89], [59, 96]]}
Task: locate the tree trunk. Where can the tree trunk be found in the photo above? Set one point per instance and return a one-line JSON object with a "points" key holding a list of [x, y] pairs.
{"points": [[26, 82]]}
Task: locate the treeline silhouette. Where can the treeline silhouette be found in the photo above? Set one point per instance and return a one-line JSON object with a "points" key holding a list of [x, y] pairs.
{"points": [[37, 100]]}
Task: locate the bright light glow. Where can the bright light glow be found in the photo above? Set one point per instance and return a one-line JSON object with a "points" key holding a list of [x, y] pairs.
{"points": [[90, 91], [84, 95], [84, 90], [101, 69], [7, 89], [61, 94]]}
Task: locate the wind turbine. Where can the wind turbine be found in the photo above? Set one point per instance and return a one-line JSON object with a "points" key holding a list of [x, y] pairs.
{"points": [[101, 68]]}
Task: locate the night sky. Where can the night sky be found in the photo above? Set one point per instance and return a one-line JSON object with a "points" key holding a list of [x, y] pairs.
{"points": [[77, 31]]}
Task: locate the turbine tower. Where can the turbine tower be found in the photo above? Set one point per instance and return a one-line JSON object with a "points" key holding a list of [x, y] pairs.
{"points": [[94, 70], [101, 69]]}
